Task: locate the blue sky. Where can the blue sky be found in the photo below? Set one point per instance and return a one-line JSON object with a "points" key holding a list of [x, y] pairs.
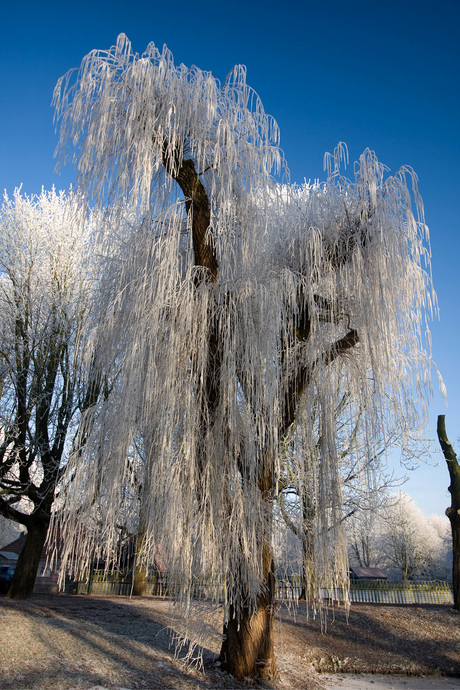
{"points": [[383, 75]]}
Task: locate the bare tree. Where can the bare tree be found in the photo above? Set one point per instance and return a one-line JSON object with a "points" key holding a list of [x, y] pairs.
{"points": [[234, 293], [453, 512], [45, 287]]}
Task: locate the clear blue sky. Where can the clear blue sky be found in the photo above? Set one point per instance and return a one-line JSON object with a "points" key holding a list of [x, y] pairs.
{"points": [[383, 75]]}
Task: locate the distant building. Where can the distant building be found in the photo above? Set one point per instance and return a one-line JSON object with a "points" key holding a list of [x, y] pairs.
{"points": [[9, 554], [357, 573], [46, 581]]}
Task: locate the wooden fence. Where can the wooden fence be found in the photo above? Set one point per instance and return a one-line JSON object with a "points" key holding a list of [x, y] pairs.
{"points": [[287, 589]]}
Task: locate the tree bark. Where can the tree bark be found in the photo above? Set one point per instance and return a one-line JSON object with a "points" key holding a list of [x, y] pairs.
{"points": [[453, 513], [22, 584], [247, 649], [140, 572]]}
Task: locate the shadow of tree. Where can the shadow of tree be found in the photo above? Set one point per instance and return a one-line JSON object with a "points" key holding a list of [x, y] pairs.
{"points": [[425, 640], [81, 641], [62, 642]]}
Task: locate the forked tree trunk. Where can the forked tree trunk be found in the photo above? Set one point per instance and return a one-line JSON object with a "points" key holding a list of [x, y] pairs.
{"points": [[247, 648], [453, 513], [22, 584]]}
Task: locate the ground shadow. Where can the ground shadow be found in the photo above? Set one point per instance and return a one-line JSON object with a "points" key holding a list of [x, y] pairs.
{"points": [[338, 641], [123, 636]]}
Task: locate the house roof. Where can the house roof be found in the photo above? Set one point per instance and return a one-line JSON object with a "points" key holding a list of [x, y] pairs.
{"points": [[17, 545], [9, 555], [375, 573]]}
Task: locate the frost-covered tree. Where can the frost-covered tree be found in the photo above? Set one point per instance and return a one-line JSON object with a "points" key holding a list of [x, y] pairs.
{"points": [[401, 540], [225, 303], [364, 539], [406, 541], [45, 284], [441, 565]]}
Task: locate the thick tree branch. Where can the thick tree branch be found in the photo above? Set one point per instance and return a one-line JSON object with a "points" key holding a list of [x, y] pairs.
{"points": [[16, 515], [197, 205], [302, 378]]}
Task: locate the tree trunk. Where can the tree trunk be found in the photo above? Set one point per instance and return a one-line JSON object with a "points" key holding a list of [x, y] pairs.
{"points": [[22, 584], [455, 525], [247, 648], [140, 582], [308, 546], [308, 592], [453, 513], [140, 571]]}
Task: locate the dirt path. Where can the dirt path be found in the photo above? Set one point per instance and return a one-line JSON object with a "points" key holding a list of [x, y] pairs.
{"points": [[372, 682]]}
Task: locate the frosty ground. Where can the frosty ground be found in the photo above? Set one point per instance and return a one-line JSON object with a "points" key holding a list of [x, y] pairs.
{"points": [[63, 642]]}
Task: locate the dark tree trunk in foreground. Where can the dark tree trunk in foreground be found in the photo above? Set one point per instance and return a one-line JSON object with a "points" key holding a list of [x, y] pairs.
{"points": [[22, 584], [453, 513]]}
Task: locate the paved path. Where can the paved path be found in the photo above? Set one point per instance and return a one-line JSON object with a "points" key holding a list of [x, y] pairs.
{"points": [[345, 681]]}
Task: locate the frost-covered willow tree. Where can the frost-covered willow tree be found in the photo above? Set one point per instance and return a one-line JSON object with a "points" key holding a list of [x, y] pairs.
{"points": [[225, 304], [46, 280]]}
